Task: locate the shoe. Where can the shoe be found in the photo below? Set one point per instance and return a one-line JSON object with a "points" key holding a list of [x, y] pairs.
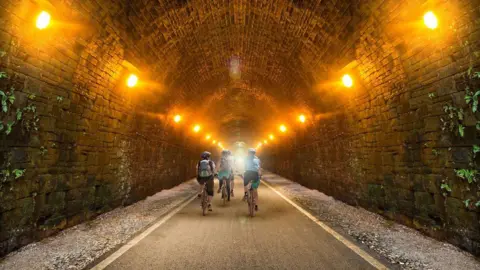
{"points": [[256, 207], [231, 193], [210, 208]]}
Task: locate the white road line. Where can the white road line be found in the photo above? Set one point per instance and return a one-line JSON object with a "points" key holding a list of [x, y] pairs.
{"points": [[103, 264], [375, 263]]}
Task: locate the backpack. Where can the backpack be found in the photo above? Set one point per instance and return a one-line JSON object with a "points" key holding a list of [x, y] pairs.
{"points": [[205, 168], [225, 164]]}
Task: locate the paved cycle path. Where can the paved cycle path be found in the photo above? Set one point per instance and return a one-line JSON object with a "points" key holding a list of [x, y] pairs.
{"points": [[278, 237]]}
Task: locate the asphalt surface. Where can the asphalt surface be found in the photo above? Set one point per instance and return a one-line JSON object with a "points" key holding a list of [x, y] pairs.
{"points": [[278, 237]]}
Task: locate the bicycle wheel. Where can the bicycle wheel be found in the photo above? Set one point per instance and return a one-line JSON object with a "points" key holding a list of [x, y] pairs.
{"points": [[250, 203], [224, 192]]}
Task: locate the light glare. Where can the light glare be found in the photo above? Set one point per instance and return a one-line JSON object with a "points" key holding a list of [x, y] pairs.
{"points": [[177, 118], [132, 80], [302, 118], [43, 20], [347, 80], [196, 128], [283, 128], [430, 20], [208, 137], [271, 137]]}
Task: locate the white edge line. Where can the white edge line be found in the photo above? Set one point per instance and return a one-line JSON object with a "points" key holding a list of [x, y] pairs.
{"points": [[374, 262], [103, 264]]}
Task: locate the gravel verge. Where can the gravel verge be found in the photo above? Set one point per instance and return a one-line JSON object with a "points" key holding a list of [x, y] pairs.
{"points": [[78, 246], [400, 245]]}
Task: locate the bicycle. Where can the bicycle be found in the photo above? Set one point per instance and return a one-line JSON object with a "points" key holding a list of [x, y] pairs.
{"points": [[225, 191], [204, 199], [251, 199]]}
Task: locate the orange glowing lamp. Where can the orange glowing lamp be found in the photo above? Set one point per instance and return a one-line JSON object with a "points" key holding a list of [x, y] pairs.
{"points": [[430, 20], [132, 80], [196, 128], [347, 80], [177, 118], [43, 20], [302, 118]]}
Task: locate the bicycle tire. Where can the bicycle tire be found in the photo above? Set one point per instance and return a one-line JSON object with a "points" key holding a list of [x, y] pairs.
{"points": [[224, 192], [250, 203]]}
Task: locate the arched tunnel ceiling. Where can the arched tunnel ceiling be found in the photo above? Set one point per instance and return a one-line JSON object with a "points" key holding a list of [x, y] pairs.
{"points": [[284, 47]]}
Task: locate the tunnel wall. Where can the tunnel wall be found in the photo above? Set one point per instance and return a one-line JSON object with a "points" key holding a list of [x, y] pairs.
{"points": [[383, 145], [93, 147]]}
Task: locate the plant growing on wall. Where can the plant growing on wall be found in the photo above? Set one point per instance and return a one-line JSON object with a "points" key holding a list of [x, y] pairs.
{"points": [[454, 121], [14, 115]]}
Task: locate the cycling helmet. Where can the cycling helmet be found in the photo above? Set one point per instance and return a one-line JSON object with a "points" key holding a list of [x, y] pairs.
{"points": [[206, 155], [252, 151]]}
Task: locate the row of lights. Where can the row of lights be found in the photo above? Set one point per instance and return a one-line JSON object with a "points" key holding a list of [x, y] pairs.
{"points": [[196, 129], [430, 20], [44, 19], [283, 129]]}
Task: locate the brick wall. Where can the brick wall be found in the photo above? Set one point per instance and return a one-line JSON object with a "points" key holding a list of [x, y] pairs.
{"points": [[382, 146], [98, 144]]}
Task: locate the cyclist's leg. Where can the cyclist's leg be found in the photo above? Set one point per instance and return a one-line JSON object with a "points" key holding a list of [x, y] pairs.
{"points": [[210, 191], [246, 180], [232, 181], [200, 184]]}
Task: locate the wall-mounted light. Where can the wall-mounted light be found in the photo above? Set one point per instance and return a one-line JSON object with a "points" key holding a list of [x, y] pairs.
{"points": [[43, 20], [283, 128], [347, 80], [430, 20], [196, 128], [177, 118], [265, 142], [208, 137], [271, 137], [132, 80], [302, 118]]}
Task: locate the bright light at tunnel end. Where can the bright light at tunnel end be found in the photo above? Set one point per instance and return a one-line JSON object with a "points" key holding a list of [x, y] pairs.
{"points": [[43, 20], [132, 80], [347, 80], [430, 20]]}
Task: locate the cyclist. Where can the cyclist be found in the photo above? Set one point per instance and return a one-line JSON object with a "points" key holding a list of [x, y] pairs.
{"points": [[252, 174], [205, 173], [225, 169]]}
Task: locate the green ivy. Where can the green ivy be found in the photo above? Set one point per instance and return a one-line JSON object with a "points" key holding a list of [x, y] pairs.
{"points": [[466, 174]]}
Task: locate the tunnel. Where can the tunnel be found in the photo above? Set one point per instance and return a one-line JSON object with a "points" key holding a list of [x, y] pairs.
{"points": [[105, 103]]}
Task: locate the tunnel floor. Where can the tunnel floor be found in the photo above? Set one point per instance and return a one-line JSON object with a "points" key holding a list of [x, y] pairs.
{"points": [[279, 237]]}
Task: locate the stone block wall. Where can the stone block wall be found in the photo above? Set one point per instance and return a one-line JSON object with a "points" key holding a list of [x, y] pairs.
{"points": [[96, 145], [380, 145]]}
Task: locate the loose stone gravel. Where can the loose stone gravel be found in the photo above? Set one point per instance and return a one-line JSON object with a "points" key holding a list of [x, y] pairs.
{"points": [[80, 245], [400, 245]]}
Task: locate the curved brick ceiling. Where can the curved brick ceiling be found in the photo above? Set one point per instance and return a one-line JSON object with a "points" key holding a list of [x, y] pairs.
{"points": [[283, 47]]}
